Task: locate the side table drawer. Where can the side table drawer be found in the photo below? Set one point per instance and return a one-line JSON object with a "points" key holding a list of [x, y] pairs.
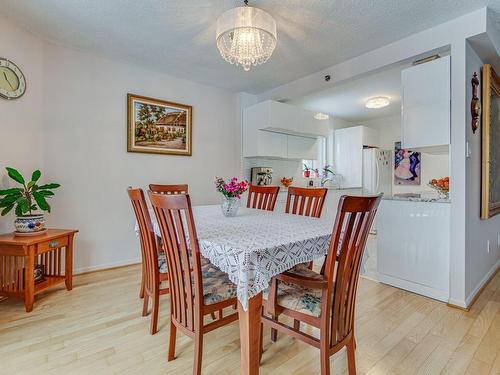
{"points": [[52, 244]]}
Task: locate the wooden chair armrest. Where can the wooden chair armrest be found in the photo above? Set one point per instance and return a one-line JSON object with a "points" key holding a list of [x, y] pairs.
{"points": [[307, 282]]}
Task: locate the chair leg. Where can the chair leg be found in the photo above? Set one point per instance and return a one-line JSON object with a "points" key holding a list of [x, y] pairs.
{"points": [[154, 316], [198, 353], [171, 343], [325, 359], [261, 341], [274, 331], [351, 357], [145, 303], [141, 292], [296, 324]]}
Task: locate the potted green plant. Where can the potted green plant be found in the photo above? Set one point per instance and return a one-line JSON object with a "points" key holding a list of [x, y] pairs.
{"points": [[26, 200]]}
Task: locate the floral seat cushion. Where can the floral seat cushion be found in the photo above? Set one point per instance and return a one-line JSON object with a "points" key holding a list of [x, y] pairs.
{"points": [[162, 262], [216, 285], [298, 298]]}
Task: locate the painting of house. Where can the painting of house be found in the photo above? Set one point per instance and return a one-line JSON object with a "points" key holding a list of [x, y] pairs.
{"points": [[157, 126]]}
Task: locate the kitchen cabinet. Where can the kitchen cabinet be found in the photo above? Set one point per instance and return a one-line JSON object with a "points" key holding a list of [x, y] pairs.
{"points": [[282, 146], [283, 118], [302, 148], [348, 153], [271, 144], [426, 105], [413, 246]]}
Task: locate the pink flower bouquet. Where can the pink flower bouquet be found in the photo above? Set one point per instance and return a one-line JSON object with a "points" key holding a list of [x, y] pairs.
{"points": [[231, 189]]}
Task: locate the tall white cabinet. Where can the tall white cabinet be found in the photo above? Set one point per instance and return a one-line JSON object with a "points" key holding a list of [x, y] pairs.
{"points": [[426, 105]]}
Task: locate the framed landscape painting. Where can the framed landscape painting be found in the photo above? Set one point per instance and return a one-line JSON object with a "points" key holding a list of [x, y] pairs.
{"points": [[158, 127], [490, 140]]}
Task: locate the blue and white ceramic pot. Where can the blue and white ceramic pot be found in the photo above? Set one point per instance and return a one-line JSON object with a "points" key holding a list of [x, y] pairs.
{"points": [[29, 223]]}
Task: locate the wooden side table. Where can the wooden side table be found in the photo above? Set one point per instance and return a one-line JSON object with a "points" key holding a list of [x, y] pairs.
{"points": [[20, 255]]}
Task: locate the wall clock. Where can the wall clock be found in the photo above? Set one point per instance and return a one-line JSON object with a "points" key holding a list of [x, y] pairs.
{"points": [[475, 104], [12, 81]]}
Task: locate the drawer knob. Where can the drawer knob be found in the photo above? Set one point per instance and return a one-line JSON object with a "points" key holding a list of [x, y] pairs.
{"points": [[53, 243]]}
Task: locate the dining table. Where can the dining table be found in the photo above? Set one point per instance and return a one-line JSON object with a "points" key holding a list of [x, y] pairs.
{"points": [[251, 248]]}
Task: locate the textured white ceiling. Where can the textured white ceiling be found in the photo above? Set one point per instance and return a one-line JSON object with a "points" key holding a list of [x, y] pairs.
{"points": [[347, 100], [177, 36]]}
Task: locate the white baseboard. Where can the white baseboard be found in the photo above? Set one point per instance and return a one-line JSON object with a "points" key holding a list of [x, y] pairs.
{"points": [[99, 267], [424, 290], [481, 284]]}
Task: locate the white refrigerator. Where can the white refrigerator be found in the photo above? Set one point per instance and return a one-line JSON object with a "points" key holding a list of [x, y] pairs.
{"points": [[377, 173]]}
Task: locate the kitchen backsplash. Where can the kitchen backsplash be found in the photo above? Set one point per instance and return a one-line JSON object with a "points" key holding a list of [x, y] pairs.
{"points": [[281, 168]]}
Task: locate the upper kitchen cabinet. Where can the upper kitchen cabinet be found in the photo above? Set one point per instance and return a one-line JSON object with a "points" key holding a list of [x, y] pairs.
{"points": [[426, 106], [302, 147], [283, 118]]}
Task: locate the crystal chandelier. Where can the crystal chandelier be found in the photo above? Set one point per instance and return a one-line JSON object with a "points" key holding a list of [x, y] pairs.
{"points": [[246, 36]]}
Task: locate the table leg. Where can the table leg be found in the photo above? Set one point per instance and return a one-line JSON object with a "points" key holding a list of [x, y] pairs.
{"points": [[68, 267], [250, 326], [29, 287]]}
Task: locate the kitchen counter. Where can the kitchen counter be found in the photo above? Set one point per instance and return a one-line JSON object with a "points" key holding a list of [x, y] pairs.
{"points": [[429, 197]]}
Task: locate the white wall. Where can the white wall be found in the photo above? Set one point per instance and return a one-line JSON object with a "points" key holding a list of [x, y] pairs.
{"points": [[84, 123], [21, 119], [479, 263]]}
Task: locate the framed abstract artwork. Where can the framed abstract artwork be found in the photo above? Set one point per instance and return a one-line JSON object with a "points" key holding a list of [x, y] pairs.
{"points": [[407, 166], [158, 127], [490, 142]]}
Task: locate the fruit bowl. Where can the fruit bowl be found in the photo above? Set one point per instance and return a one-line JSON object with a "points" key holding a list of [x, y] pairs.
{"points": [[442, 186], [286, 182]]}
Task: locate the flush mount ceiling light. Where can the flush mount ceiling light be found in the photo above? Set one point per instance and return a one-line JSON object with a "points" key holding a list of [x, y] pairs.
{"points": [[321, 116], [377, 102], [246, 36]]}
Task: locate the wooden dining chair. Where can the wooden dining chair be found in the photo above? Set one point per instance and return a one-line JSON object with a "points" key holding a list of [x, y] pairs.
{"points": [[327, 301], [169, 189], [305, 201], [154, 265], [197, 292], [262, 197]]}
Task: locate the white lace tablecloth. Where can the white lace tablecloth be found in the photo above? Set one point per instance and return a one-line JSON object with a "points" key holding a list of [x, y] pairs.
{"points": [[256, 245]]}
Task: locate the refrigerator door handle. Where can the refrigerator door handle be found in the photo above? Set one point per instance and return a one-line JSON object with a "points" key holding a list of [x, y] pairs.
{"points": [[377, 171]]}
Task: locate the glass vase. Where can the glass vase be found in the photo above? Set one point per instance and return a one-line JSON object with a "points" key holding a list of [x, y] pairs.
{"points": [[230, 206]]}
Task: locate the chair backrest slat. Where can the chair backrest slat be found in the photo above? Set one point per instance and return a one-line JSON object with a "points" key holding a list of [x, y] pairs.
{"points": [[262, 197], [305, 201], [147, 237], [169, 189], [175, 219], [352, 225]]}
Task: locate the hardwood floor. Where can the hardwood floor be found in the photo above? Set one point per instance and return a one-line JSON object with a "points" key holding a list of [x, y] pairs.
{"points": [[97, 329]]}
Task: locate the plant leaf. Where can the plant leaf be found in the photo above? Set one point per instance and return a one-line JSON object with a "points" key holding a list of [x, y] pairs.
{"points": [[6, 210], [15, 175], [36, 175], [46, 193], [10, 191], [49, 186], [24, 204], [40, 200], [9, 199], [31, 184], [18, 210]]}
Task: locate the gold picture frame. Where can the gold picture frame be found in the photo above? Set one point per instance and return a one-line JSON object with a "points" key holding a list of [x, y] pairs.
{"points": [[490, 140], [156, 126]]}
